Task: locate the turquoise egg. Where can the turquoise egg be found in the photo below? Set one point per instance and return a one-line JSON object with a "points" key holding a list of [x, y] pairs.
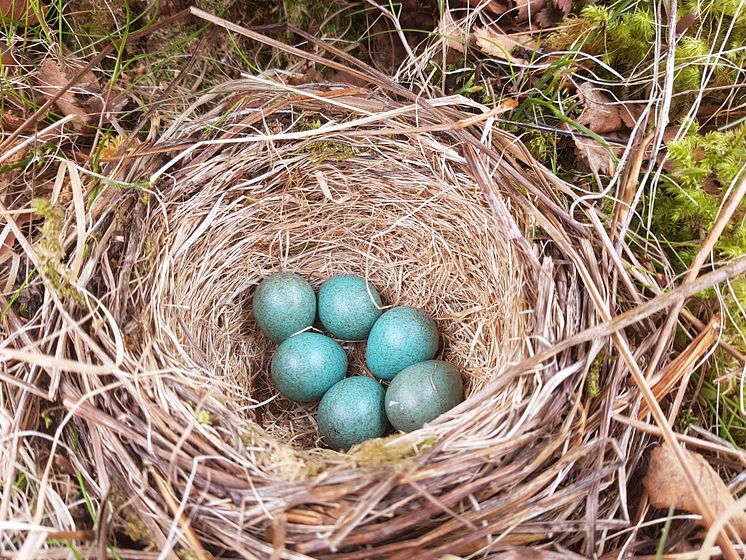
{"points": [[421, 393], [348, 306], [284, 304], [401, 337], [352, 412], [306, 365]]}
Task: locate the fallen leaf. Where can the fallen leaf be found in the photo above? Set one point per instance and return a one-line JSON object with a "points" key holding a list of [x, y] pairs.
{"points": [[594, 155], [598, 112], [82, 100], [630, 113], [667, 486], [6, 57], [550, 16], [528, 9], [310, 76], [10, 121], [18, 11], [345, 78], [455, 37], [501, 45], [563, 5], [685, 22]]}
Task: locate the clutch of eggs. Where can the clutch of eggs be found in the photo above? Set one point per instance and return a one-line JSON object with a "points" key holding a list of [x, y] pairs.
{"points": [[309, 366]]}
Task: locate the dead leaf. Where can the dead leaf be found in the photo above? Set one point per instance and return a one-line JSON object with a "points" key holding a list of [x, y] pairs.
{"points": [[6, 57], [594, 155], [8, 238], [455, 37], [685, 22], [18, 11], [630, 113], [528, 9], [667, 486], [83, 100], [563, 5], [11, 121], [598, 112], [501, 45], [310, 76]]}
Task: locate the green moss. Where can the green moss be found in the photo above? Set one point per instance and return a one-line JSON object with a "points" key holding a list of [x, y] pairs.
{"points": [[688, 203], [593, 381], [50, 252], [387, 450], [204, 417]]}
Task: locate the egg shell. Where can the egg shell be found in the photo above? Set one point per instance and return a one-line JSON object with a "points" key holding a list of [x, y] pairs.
{"points": [[348, 306], [352, 412], [401, 337], [422, 392], [306, 365], [283, 305]]}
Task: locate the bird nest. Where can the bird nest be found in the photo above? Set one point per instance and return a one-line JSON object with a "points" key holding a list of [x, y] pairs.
{"points": [[163, 417]]}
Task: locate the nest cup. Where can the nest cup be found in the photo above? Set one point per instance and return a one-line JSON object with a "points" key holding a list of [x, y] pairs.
{"points": [[439, 210], [396, 212], [398, 207]]}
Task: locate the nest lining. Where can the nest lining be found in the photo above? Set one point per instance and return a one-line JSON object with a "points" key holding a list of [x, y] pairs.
{"points": [[395, 212]]}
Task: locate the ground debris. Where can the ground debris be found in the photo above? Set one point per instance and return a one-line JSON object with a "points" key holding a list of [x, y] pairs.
{"points": [[667, 486], [83, 100]]}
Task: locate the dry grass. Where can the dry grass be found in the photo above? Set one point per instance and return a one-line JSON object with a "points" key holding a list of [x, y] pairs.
{"points": [[142, 352]]}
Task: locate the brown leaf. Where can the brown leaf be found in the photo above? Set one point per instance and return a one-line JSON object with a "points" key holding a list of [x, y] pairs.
{"points": [[598, 113], [501, 45], [455, 37], [564, 5], [6, 56], [18, 11], [8, 241], [594, 155], [10, 121], [81, 100], [630, 113], [528, 9], [345, 78], [685, 22], [667, 486], [549, 16]]}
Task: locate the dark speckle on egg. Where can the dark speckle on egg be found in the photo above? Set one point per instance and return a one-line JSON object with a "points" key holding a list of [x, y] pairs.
{"points": [[283, 305], [348, 306], [401, 337], [306, 365], [421, 393], [352, 412]]}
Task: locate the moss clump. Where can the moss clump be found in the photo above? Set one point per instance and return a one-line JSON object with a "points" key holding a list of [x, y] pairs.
{"points": [[621, 35], [324, 150], [686, 206], [621, 39], [387, 450], [50, 252], [128, 519], [289, 464], [704, 166]]}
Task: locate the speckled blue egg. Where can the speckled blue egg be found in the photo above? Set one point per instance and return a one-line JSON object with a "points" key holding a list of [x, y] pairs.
{"points": [[306, 365], [348, 306], [401, 337], [422, 392], [284, 304], [352, 412]]}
